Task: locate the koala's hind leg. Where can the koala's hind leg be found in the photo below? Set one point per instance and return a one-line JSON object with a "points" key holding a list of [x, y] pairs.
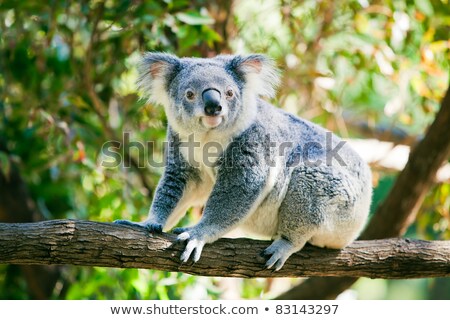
{"points": [[279, 251], [299, 221], [288, 240]]}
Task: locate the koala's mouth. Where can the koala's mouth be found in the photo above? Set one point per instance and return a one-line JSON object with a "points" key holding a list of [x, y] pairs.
{"points": [[211, 122]]}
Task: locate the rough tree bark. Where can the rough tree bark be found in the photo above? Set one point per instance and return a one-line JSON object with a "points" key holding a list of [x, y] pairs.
{"points": [[104, 244], [404, 199]]}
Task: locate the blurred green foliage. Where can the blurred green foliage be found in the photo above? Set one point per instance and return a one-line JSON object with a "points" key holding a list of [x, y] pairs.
{"points": [[67, 72]]}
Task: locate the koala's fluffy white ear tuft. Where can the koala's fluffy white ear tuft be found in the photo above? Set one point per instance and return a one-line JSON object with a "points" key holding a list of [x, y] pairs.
{"points": [[155, 70], [260, 73]]}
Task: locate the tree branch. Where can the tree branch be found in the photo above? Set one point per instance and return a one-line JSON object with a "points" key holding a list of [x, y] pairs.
{"points": [[108, 245], [387, 156], [382, 132]]}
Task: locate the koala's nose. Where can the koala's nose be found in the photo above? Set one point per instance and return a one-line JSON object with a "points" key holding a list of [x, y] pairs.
{"points": [[211, 100]]}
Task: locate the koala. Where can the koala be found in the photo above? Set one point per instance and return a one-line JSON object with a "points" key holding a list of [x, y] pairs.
{"points": [[247, 163]]}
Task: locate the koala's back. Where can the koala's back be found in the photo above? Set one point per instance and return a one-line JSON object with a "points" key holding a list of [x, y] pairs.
{"points": [[314, 174]]}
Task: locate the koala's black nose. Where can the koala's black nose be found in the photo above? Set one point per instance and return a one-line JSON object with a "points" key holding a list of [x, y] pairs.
{"points": [[211, 100]]}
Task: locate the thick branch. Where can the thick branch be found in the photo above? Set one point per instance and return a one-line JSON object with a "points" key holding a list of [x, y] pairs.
{"points": [[108, 245]]}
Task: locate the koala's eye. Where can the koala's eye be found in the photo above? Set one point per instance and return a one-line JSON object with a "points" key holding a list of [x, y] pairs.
{"points": [[190, 95], [229, 93]]}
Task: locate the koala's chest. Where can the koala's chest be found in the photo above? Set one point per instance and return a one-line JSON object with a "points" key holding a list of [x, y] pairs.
{"points": [[202, 153]]}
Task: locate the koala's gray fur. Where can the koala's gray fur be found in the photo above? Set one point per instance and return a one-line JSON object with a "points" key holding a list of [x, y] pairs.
{"points": [[273, 176]]}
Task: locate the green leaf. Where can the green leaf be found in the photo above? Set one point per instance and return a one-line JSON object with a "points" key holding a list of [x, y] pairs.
{"points": [[425, 7], [77, 101], [194, 18]]}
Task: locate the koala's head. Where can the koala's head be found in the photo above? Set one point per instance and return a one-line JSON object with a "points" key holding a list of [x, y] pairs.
{"points": [[204, 95]]}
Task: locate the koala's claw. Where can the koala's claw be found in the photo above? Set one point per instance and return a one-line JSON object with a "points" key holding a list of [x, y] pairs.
{"points": [[264, 254], [151, 227], [180, 230], [279, 251], [276, 260], [127, 223], [192, 245]]}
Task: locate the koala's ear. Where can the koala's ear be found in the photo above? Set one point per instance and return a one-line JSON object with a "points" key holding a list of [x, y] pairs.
{"points": [[260, 73], [156, 70]]}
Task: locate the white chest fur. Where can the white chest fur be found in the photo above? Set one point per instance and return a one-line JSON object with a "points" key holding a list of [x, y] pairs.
{"points": [[203, 150]]}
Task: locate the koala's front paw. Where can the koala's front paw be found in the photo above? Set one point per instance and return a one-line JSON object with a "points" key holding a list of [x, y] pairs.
{"points": [[195, 243], [181, 230], [151, 227]]}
